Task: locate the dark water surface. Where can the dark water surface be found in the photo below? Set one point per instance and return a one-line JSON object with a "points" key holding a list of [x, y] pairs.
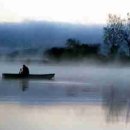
{"points": [[79, 98]]}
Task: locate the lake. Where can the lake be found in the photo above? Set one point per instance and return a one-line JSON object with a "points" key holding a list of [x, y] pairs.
{"points": [[80, 97]]}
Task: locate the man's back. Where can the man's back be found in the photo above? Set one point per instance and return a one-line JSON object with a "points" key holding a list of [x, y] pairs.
{"points": [[25, 71]]}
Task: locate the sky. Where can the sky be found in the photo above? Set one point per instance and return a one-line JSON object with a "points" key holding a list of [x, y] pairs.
{"points": [[72, 11]]}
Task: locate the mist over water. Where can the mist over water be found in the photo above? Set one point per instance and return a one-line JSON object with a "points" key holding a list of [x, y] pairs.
{"points": [[80, 97]]}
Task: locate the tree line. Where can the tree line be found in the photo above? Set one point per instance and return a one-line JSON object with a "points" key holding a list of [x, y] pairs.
{"points": [[73, 50], [116, 43]]}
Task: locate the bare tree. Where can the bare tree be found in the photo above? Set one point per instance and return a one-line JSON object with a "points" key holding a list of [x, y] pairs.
{"points": [[116, 35]]}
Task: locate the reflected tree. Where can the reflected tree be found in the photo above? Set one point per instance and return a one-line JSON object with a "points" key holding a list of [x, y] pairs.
{"points": [[116, 102]]}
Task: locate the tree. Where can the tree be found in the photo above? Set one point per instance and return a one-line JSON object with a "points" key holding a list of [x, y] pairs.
{"points": [[116, 35], [72, 43], [128, 30]]}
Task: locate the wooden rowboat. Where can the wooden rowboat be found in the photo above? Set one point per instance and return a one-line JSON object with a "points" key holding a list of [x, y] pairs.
{"points": [[30, 76]]}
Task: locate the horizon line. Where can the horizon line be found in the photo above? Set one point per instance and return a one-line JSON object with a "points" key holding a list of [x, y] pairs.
{"points": [[48, 21]]}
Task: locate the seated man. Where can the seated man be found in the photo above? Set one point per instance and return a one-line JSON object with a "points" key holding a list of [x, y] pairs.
{"points": [[24, 71]]}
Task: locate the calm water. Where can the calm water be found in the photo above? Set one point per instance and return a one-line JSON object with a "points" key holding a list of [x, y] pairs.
{"points": [[79, 98]]}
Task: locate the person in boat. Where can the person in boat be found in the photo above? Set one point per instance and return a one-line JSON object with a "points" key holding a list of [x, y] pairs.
{"points": [[24, 71]]}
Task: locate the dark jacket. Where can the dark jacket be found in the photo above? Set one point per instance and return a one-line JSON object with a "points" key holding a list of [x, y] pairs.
{"points": [[25, 71]]}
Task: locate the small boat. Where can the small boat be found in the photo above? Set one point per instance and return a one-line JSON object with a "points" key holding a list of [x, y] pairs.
{"points": [[30, 76]]}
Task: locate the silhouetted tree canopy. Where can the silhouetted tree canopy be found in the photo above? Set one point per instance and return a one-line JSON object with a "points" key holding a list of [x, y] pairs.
{"points": [[116, 35], [72, 43], [116, 41], [73, 50]]}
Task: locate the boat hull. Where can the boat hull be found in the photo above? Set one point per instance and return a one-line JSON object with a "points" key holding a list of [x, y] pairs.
{"points": [[30, 76]]}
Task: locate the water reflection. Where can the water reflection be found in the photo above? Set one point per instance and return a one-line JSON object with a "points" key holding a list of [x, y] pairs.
{"points": [[24, 84], [116, 101], [72, 91]]}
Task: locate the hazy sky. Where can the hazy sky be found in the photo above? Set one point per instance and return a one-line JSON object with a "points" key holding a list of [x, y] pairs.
{"points": [[74, 11]]}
